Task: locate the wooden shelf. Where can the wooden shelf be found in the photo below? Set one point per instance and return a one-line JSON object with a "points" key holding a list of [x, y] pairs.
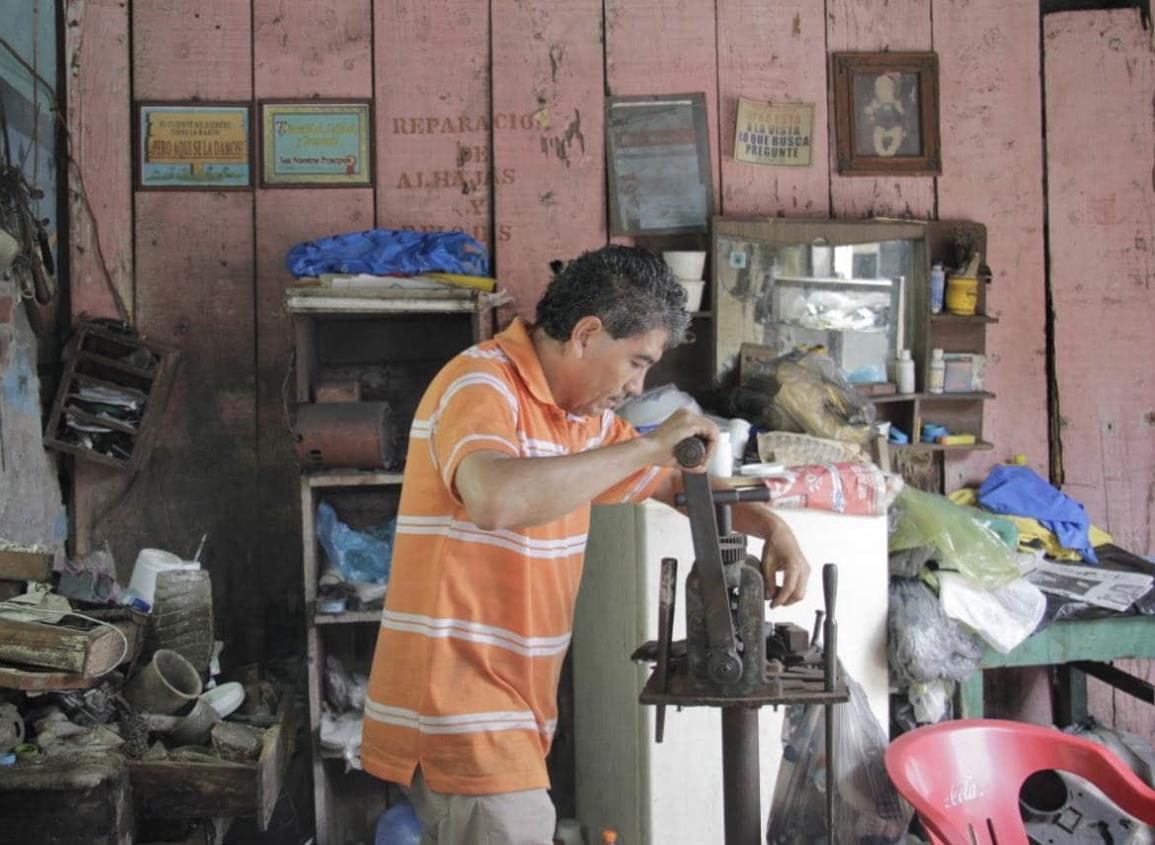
{"points": [[978, 446], [349, 617], [353, 478], [113, 364], [364, 301], [969, 396], [958, 318], [975, 396]]}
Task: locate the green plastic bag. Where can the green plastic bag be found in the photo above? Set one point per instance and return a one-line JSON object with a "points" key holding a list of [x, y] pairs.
{"points": [[963, 542]]}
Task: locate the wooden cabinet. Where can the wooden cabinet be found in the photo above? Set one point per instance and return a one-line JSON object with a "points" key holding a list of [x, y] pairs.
{"points": [[387, 347], [961, 411]]}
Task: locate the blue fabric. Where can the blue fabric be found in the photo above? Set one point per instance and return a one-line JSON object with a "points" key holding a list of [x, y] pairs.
{"points": [[1019, 491], [382, 252]]}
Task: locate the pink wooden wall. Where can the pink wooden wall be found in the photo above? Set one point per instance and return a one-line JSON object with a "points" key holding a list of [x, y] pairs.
{"points": [[489, 119], [1100, 75]]}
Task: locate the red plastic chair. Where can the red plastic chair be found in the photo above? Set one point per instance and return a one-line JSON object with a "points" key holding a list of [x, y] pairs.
{"points": [[964, 777]]}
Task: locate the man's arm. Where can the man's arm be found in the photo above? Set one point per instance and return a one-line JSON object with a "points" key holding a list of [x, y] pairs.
{"points": [[780, 552], [500, 491]]}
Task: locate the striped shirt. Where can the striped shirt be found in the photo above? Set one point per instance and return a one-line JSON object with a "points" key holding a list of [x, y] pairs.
{"points": [[477, 622]]}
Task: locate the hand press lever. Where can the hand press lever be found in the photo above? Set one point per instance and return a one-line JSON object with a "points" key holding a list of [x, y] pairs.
{"points": [[723, 665]]}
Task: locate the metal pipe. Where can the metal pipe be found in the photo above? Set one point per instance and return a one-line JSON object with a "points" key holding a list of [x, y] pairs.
{"points": [[740, 786]]}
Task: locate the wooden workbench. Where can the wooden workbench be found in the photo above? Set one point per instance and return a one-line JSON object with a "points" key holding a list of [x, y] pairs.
{"points": [[1063, 645]]}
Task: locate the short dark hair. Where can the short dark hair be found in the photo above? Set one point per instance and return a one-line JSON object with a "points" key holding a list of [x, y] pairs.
{"points": [[629, 288]]}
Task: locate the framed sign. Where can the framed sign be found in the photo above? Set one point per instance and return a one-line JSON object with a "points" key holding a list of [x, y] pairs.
{"points": [[193, 146], [886, 114], [780, 135], [658, 163], [316, 143]]}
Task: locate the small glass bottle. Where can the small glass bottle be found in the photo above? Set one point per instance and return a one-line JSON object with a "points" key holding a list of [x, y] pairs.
{"points": [[937, 287], [904, 371], [936, 374]]}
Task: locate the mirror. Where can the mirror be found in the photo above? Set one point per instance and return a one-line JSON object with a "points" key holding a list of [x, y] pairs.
{"points": [[845, 286]]}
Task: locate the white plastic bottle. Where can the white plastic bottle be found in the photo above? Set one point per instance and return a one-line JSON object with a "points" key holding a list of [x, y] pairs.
{"points": [[937, 287], [936, 374], [904, 371], [722, 461]]}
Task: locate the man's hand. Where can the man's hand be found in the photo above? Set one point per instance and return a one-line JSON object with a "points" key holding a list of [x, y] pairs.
{"points": [[680, 425], [783, 561]]}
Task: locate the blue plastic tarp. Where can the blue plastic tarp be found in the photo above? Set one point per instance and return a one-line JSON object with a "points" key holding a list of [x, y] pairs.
{"points": [[383, 252], [1020, 491]]}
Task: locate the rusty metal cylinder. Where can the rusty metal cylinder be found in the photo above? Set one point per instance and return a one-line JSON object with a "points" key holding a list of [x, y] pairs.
{"points": [[345, 435]]}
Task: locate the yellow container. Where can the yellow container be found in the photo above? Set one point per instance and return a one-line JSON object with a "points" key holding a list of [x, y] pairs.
{"points": [[962, 295]]}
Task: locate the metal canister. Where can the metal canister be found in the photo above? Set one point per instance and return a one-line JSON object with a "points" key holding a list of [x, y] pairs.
{"points": [[345, 435]]}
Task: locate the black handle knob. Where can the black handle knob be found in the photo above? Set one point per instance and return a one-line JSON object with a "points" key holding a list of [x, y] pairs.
{"points": [[830, 587], [690, 452]]}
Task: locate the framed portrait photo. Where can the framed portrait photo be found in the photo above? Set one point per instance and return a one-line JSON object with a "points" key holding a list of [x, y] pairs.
{"points": [[886, 114], [316, 143], [193, 146]]}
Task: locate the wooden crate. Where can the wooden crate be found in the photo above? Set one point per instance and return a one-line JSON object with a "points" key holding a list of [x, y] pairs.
{"points": [[184, 790], [81, 800], [99, 356]]}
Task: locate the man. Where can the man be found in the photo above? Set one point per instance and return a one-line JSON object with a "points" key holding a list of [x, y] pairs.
{"points": [[511, 443]]}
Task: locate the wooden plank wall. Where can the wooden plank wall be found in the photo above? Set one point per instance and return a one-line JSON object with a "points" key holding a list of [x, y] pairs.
{"points": [[1100, 74], [195, 271], [991, 122], [301, 49], [489, 119], [549, 202]]}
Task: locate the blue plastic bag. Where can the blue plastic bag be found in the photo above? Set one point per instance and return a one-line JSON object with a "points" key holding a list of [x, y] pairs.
{"points": [[382, 252], [357, 555], [398, 826]]}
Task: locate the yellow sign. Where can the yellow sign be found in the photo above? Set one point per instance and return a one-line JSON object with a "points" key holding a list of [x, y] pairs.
{"points": [[774, 134], [197, 137]]}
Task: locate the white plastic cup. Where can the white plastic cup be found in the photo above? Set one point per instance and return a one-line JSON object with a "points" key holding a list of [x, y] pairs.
{"points": [[686, 264], [149, 564]]}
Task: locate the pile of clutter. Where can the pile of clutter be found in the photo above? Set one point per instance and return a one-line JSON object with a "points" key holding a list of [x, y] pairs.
{"points": [[795, 425], [991, 566], [88, 665]]}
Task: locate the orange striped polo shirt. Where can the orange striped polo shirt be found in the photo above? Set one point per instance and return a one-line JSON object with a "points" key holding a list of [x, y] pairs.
{"points": [[476, 623]]}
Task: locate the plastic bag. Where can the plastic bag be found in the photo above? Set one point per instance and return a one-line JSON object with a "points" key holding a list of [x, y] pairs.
{"points": [[931, 701], [343, 733], [923, 643], [850, 488], [343, 689], [963, 542], [805, 392], [383, 252], [867, 809], [1004, 616], [357, 555], [654, 407]]}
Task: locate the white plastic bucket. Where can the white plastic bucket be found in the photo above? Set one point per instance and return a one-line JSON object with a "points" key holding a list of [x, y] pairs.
{"points": [[149, 564], [686, 264]]}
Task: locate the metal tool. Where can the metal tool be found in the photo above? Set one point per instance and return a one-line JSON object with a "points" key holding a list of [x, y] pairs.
{"points": [[733, 658]]}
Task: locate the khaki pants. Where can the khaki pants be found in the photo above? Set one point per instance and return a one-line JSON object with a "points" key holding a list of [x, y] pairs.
{"points": [[505, 818]]}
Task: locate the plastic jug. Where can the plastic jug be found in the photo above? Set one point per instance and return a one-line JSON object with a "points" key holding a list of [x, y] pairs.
{"points": [[149, 564]]}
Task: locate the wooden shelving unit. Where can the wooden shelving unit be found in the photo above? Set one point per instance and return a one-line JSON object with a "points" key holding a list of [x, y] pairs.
{"points": [[400, 341]]}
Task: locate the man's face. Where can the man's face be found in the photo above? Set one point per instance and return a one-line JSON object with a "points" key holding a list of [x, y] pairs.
{"points": [[611, 371]]}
